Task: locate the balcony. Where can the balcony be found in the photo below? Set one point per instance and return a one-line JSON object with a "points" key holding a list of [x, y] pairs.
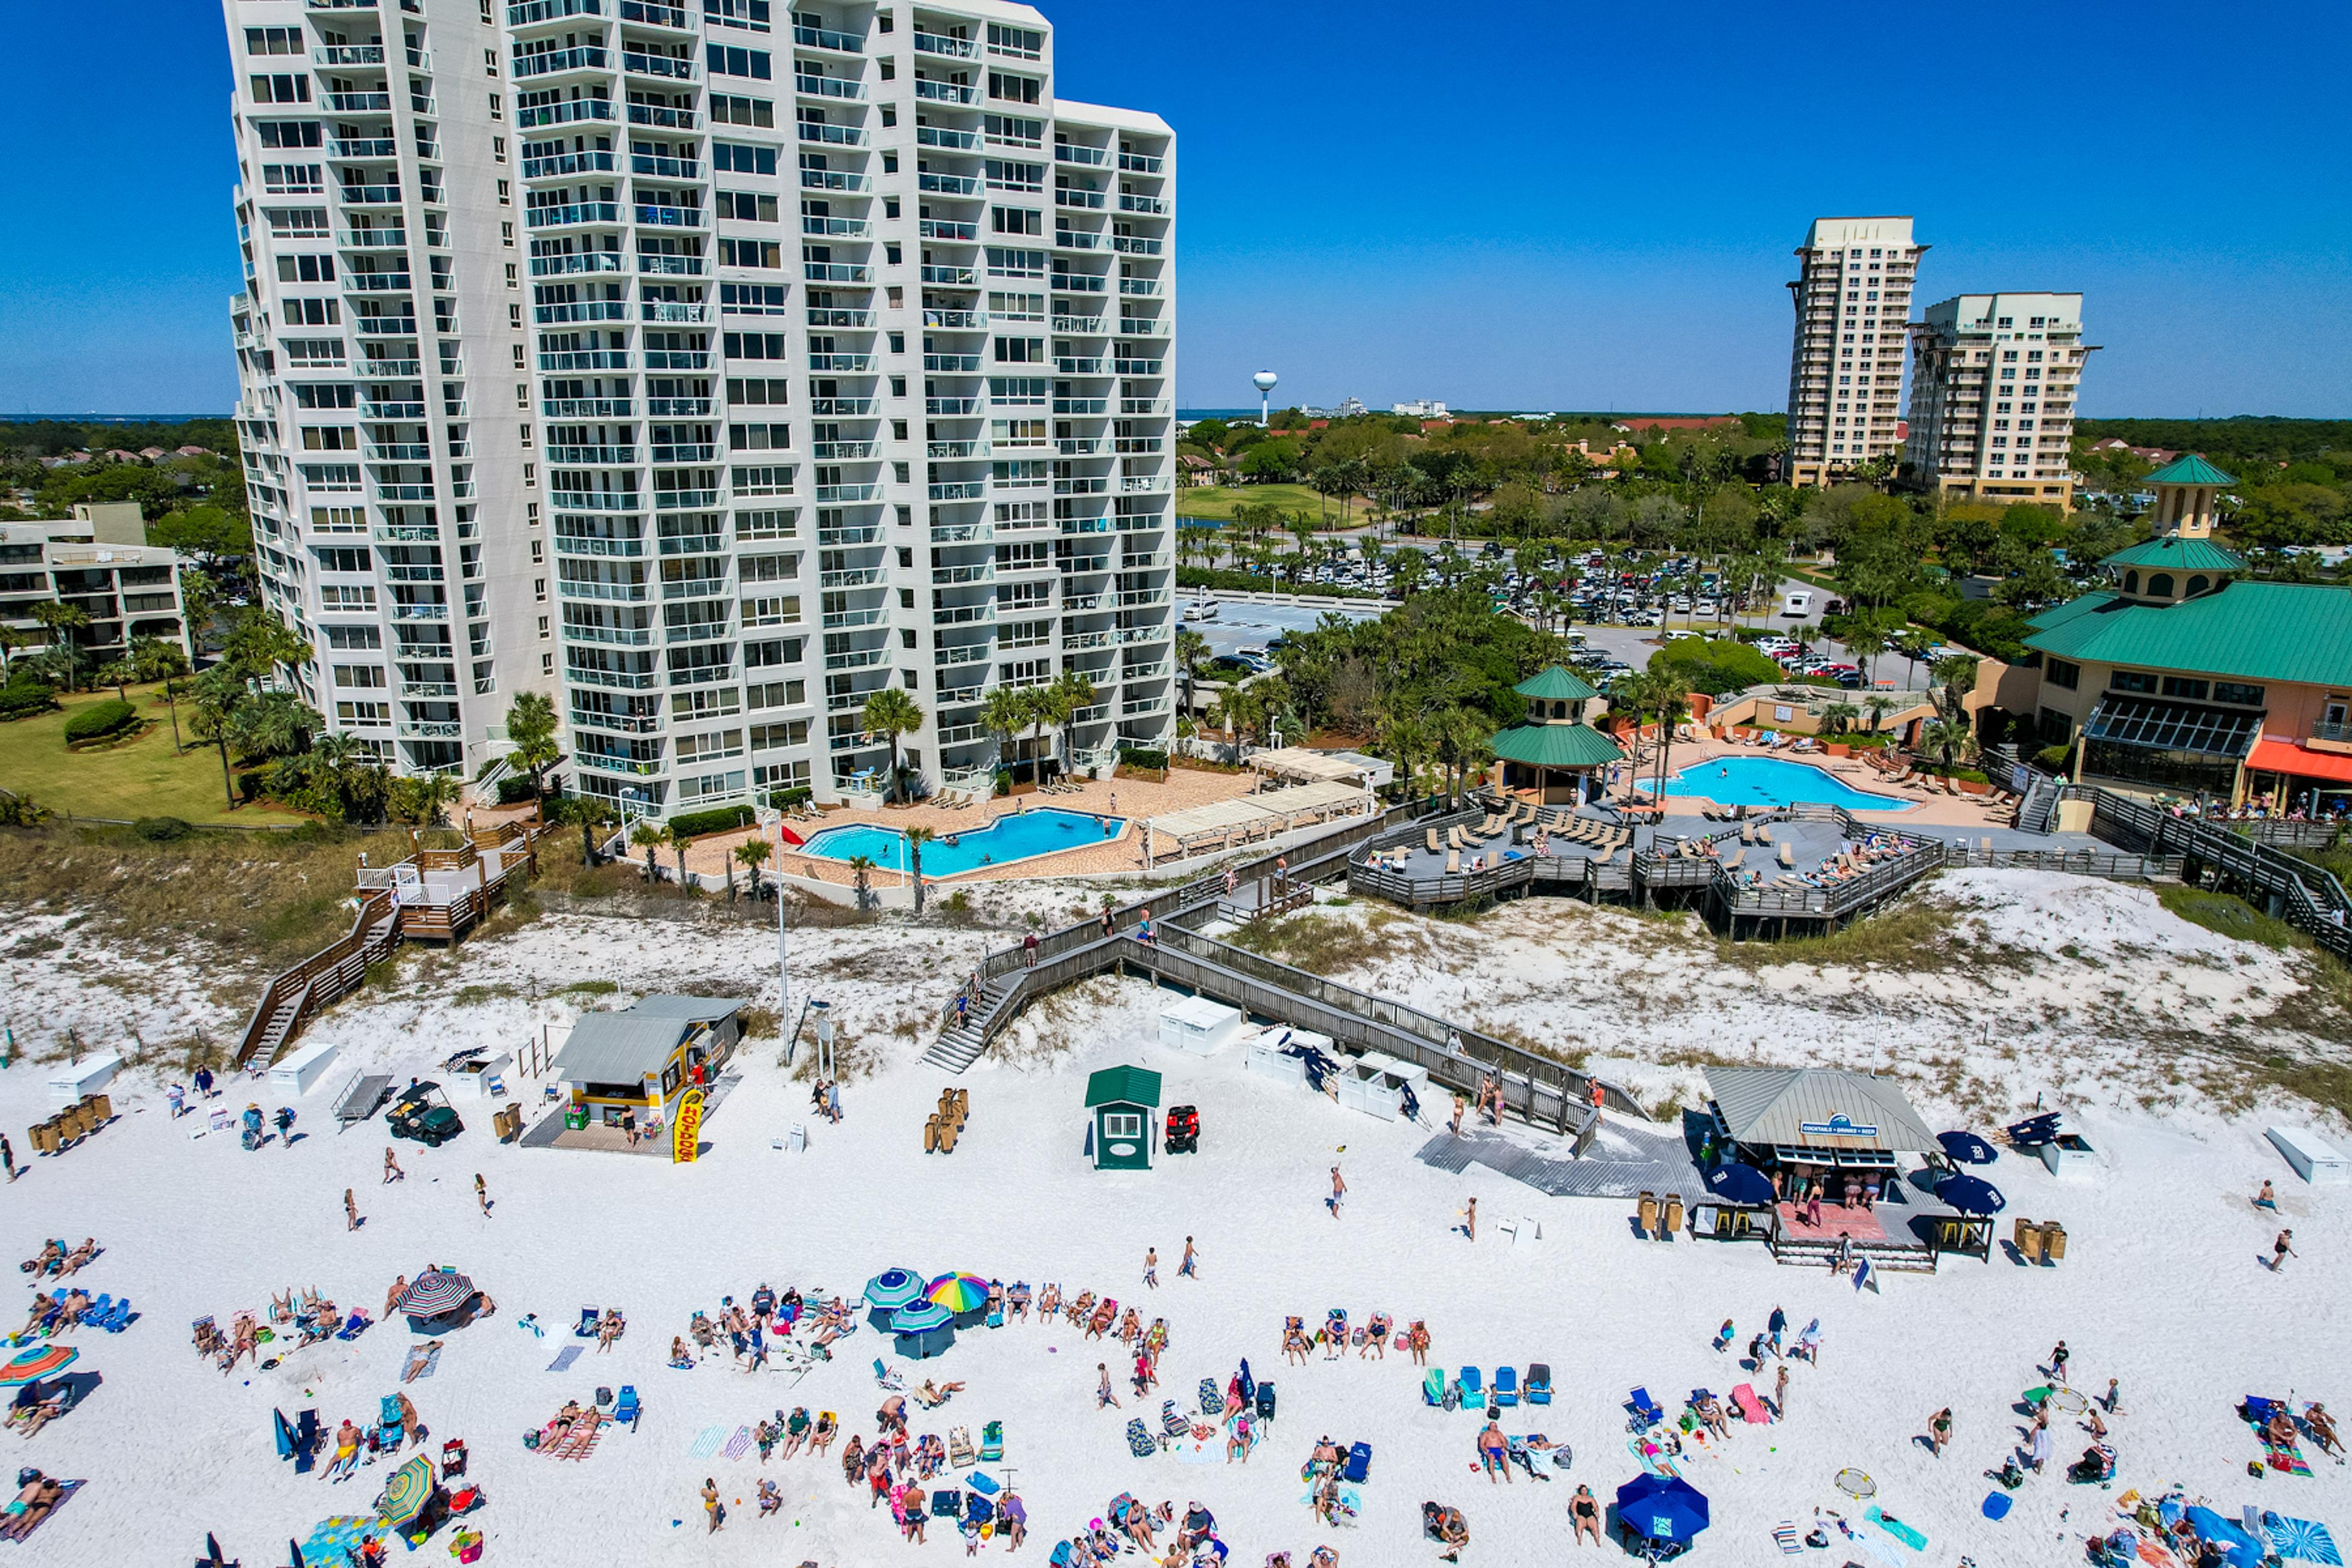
{"points": [[956, 450], [836, 228], [655, 216], [609, 592], [654, 15], [945, 92], [1070, 152], [385, 325], [1138, 163], [377, 282], [1080, 283], [855, 577], [957, 320], [962, 533], [1072, 365], [673, 311], [1093, 406], [851, 364], [844, 88], [587, 261], [857, 658], [372, 239], [1133, 245], [586, 359], [966, 653], [834, 180], [841, 407], [951, 277], [597, 500], [839, 495], [1071, 196], [952, 407], [420, 612], [684, 500], [827, 38], [1144, 484], [365, 148], [960, 490], [654, 114], [594, 456], [842, 451], [1082, 326], [948, 230], [827, 316], [556, 62], [572, 214], [1070, 239], [833, 135], [586, 311], [587, 407], [668, 65], [356, 102], [951, 48], [566, 164], [1141, 327], [1130, 202], [1137, 367], [575, 110], [836, 272], [678, 407], [369, 195], [850, 620], [948, 184], [965, 614], [1096, 486], [1081, 446], [660, 168], [952, 364]]}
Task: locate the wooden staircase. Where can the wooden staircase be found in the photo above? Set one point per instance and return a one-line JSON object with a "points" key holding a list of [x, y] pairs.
{"points": [[334, 971]]}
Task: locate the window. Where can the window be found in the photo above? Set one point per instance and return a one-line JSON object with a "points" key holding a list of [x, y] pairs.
{"points": [[746, 207], [363, 713], [1015, 221], [273, 41], [758, 252], [2059, 673], [351, 637], [333, 597], [312, 353], [306, 270], [1009, 176], [1019, 351], [2184, 686], [726, 109], [1010, 131], [763, 481], [755, 346], [2131, 681], [281, 89], [1122, 1124], [766, 525], [758, 390], [726, 61], [288, 133], [1013, 89], [1022, 43], [752, 298], [2237, 693], [2159, 586], [759, 437], [742, 160], [361, 677]]}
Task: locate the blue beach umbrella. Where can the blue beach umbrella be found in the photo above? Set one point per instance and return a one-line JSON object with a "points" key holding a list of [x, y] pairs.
{"points": [[1742, 1185], [1967, 1148], [1661, 1507], [922, 1331], [889, 1290], [1971, 1194]]}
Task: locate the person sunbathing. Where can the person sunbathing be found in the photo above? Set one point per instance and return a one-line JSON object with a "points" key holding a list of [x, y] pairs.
{"points": [[822, 1439], [1710, 1413], [34, 1410], [347, 1452], [2280, 1428], [937, 1393], [1135, 1520], [80, 1255], [75, 1304], [1049, 1302], [44, 1307], [2323, 1427], [35, 1503], [609, 1328], [770, 1500], [52, 1258]]}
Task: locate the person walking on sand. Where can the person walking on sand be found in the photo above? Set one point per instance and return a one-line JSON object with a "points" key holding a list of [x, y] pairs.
{"points": [[1460, 1105], [2114, 1395], [1189, 1268], [1105, 1395], [482, 1193], [1152, 1267], [1939, 1431], [350, 1210], [1778, 1324], [1339, 1192], [392, 1171], [2058, 1359], [2266, 1199], [8, 1157], [1029, 950], [712, 1506], [2282, 1249], [1470, 1219], [1780, 1395]]}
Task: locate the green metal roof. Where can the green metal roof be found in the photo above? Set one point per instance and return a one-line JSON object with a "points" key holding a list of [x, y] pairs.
{"points": [[1557, 746], [2246, 631], [2170, 552], [2188, 469], [1555, 685], [1123, 1086]]}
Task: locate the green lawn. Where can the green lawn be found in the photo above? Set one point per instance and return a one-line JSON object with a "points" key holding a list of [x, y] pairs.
{"points": [[1217, 501], [131, 779]]}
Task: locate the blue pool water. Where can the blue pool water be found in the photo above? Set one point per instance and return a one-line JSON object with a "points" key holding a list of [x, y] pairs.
{"points": [[1769, 781], [1009, 838]]}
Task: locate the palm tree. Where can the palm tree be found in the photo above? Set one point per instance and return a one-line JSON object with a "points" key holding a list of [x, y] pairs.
{"points": [[1956, 673], [1838, 719], [1461, 736], [916, 839], [118, 673], [1227, 710], [753, 854], [530, 725], [646, 836], [1072, 693], [1880, 704], [1407, 741], [156, 660], [1037, 712], [1949, 741], [61, 621], [678, 838], [1002, 714], [219, 695], [1866, 642], [890, 713], [860, 869], [1673, 705], [1192, 652]]}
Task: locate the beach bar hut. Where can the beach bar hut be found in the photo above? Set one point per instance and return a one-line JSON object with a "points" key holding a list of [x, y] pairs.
{"points": [[646, 1056], [1123, 1103], [1813, 1129], [1200, 1026]]}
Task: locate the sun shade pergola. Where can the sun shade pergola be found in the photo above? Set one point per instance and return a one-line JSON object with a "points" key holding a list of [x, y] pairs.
{"points": [[1313, 766], [1223, 822]]}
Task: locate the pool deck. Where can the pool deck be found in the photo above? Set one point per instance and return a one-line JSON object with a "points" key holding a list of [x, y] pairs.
{"points": [[1132, 798], [1929, 809]]}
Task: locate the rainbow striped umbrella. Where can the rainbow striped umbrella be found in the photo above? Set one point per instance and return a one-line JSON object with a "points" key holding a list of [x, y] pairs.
{"points": [[31, 1366], [959, 1293], [407, 1493]]}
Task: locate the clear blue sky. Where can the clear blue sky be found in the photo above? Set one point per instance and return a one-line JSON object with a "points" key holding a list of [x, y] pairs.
{"points": [[1529, 206]]}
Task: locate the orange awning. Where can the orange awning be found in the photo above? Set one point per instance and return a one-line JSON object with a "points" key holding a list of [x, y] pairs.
{"points": [[2271, 756]]}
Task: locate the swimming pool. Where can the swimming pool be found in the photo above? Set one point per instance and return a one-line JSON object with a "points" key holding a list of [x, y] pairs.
{"points": [[1769, 781], [1012, 837]]}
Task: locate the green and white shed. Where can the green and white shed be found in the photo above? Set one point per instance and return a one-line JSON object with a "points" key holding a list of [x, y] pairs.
{"points": [[1121, 1103]]}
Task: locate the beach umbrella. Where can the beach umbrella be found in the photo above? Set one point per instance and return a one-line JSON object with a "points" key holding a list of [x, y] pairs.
{"points": [[1970, 1195], [965, 1295], [1663, 1508], [437, 1293], [1742, 1185], [1967, 1148], [32, 1365], [923, 1330], [334, 1539], [406, 1494], [889, 1290]]}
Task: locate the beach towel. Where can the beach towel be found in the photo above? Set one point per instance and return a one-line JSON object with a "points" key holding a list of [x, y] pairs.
{"points": [[2303, 1538], [2285, 1457], [706, 1442], [2156, 1554], [1996, 1506], [1744, 1400], [1651, 1458], [1191, 1450], [739, 1444], [579, 1439], [564, 1358], [1785, 1534], [1896, 1527], [424, 1360], [70, 1488]]}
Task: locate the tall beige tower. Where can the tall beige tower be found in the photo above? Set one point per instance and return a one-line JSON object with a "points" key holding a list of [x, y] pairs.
{"points": [[1993, 386], [1853, 292]]}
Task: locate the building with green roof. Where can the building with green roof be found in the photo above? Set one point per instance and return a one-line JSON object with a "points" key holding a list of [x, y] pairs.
{"points": [[1555, 752]]}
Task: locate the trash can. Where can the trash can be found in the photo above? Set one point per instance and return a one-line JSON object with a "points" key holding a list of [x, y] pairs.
{"points": [[2054, 1241], [575, 1118], [2028, 1239]]}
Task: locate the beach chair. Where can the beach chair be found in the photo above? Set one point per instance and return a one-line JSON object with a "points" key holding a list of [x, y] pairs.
{"points": [[1432, 1387], [887, 1378], [1643, 1411], [626, 1408], [1607, 854], [1473, 1384], [991, 1442], [1788, 857], [1265, 1402], [1736, 862], [1435, 847], [586, 1327], [1507, 1385], [1537, 1388], [388, 1426], [1453, 863], [962, 1453], [1358, 1464]]}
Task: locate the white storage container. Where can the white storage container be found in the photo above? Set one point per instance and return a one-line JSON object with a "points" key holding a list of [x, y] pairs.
{"points": [[2069, 1154], [1364, 1087], [300, 1072], [2313, 1160], [1200, 1026], [68, 1083], [483, 1078]]}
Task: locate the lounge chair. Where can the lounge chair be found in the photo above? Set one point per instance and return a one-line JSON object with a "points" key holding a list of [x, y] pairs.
{"points": [[1605, 856], [1788, 857], [1435, 847], [1763, 833], [1507, 1385], [1538, 1384], [1454, 837], [1643, 1411], [1474, 1388], [1736, 861], [1491, 826], [1453, 863], [1747, 833]]}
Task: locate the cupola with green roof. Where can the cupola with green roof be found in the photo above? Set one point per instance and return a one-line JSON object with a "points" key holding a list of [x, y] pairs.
{"points": [[1554, 752], [2181, 560]]}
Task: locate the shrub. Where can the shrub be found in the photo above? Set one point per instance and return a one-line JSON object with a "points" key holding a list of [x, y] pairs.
{"points": [[798, 795], [512, 790], [161, 830], [26, 698], [100, 719], [1143, 757], [2054, 758], [718, 820]]}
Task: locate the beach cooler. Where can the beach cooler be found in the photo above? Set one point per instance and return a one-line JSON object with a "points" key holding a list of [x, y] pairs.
{"points": [[1538, 1384], [1507, 1385]]}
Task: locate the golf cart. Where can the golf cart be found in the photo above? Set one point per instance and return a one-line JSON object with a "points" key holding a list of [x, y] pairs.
{"points": [[422, 1113]]}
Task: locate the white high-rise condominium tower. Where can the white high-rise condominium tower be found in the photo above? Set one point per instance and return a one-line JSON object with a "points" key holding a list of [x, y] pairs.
{"points": [[1845, 373], [724, 366], [1993, 386]]}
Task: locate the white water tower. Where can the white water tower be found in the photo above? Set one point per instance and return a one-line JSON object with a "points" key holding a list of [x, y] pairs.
{"points": [[1263, 380]]}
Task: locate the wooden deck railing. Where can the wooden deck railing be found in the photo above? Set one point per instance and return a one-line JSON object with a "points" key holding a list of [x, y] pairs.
{"points": [[325, 975]]}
